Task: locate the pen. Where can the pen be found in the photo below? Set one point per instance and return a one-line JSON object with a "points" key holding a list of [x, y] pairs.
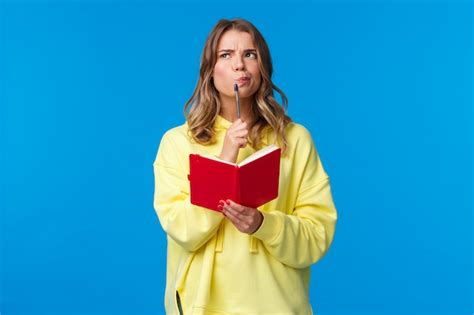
{"points": [[237, 100]]}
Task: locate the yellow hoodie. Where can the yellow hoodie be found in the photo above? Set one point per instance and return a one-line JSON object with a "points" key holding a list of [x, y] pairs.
{"points": [[215, 268]]}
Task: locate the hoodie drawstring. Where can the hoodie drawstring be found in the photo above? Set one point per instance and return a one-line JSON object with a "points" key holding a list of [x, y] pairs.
{"points": [[253, 245]]}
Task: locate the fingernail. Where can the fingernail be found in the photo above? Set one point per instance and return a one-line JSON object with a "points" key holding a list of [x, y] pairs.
{"points": [[228, 201], [219, 207]]}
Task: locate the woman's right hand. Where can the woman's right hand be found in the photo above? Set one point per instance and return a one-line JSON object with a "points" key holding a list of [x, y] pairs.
{"points": [[235, 138]]}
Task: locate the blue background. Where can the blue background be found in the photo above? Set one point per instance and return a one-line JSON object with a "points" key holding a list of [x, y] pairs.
{"points": [[88, 89]]}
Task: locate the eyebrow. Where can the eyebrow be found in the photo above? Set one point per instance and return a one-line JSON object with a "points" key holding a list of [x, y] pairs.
{"points": [[231, 50]]}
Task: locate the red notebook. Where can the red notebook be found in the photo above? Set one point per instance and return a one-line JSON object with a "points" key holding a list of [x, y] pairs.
{"points": [[252, 182]]}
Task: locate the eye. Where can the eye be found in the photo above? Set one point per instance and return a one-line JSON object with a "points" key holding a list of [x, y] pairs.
{"points": [[224, 55], [254, 55]]}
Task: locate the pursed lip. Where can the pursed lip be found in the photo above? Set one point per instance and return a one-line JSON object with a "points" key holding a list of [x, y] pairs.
{"points": [[243, 79]]}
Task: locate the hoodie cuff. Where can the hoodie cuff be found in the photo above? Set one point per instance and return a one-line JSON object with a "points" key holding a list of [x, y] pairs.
{"points": [[270, 228]]}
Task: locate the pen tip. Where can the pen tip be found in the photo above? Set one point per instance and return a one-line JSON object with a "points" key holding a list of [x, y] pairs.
{"points": [[236, 87]]}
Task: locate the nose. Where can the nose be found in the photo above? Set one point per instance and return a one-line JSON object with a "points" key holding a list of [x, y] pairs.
{"points": [[238, 63]]}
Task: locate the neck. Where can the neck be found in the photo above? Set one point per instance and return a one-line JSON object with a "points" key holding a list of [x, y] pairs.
{"points": [[229, 109]]}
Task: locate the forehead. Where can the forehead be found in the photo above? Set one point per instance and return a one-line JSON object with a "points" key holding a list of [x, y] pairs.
{"points": [[233, 39]]}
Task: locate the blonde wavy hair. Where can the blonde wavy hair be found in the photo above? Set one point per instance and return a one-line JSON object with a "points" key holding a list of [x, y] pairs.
{"points": [[202, 109]]}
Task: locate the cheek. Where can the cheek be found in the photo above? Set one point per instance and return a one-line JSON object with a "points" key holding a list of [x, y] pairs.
{"points": [[257, 79], [258, 76], [219, 70], [255, 71], [220, 75]]}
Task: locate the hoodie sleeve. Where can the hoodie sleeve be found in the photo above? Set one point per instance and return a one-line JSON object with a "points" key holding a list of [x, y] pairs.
{"points": [[300, 237], [188, 225]]}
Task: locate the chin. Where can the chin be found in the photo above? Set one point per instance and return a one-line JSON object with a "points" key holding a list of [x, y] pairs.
{"points": [[246, 95], [247, 90]]}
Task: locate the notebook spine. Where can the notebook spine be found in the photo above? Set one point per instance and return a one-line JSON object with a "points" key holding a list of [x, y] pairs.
{"points": [[237, 184]]}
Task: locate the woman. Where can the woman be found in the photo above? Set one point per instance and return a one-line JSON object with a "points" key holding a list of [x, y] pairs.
{"points": [[241, 260]]}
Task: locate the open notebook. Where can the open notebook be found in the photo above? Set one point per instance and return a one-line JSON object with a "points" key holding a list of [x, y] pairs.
{"points": [[252, 182]]}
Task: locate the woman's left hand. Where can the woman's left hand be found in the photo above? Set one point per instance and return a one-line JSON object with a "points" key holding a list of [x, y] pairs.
{"points": [[246, 219]]}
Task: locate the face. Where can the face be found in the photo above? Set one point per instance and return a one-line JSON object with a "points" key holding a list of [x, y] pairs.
{"points": [[236, 58]]}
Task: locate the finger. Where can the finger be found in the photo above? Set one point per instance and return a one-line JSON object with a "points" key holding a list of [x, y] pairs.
{"points": [[241, 133], [242, 225], [239, 143], [239, 123], [237, 207], [240, 212], [239, 140], [245, 214], [232, 216], [240, 127], [233, 212], [245, 224]]}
